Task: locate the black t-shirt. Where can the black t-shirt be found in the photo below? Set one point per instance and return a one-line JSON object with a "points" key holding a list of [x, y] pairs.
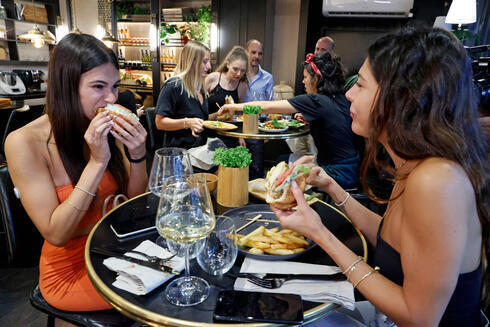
{"points": [[330, 125], [174, 102]]}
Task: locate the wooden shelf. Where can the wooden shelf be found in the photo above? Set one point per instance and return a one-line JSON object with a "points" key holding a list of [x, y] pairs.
{"points": [[23, 62], [27, 22]]}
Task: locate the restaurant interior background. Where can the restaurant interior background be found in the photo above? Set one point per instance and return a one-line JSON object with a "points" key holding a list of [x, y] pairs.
{"points": [[288, 29]]}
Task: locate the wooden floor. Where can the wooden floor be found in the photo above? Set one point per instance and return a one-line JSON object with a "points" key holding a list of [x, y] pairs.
{"points": [[15, 309]]}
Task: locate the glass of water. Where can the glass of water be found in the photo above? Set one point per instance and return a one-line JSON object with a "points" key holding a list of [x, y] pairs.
{"points": [[220, 248]]}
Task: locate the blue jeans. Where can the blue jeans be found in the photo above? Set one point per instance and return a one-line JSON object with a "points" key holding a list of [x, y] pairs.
{"points": [[345, 172]]}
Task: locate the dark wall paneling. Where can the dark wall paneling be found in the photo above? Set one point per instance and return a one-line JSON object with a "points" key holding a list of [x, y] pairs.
{"points": [[241, 20], [353, 35]]}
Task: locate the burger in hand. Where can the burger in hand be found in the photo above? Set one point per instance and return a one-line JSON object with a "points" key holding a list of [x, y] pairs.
{"points": [[117, 111], [279, 178]]}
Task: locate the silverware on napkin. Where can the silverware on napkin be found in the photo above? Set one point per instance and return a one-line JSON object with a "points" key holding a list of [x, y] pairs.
{"points": [[156, 266], [337, 276]]}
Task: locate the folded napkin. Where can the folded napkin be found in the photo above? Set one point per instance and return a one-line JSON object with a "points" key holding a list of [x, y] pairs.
{"points": [[340, 292], [202, 156], [138, 279]]}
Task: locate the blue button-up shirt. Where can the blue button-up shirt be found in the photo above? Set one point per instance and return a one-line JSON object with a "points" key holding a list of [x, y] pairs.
{"points": [[261, 88]]}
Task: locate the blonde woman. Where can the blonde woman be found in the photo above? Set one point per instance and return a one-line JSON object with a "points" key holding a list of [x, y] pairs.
{"points": [[182, 105]]}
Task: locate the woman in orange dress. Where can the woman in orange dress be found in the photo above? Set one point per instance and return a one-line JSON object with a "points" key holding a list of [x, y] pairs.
{"points": [[66, 163]]}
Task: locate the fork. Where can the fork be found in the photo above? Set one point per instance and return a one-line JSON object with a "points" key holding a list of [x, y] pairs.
{"points": [[150, 258], [276, 282]]}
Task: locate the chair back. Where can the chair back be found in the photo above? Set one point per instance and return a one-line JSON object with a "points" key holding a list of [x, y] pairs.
{"points": [[156, 138], [20, 238], [18, 118]]}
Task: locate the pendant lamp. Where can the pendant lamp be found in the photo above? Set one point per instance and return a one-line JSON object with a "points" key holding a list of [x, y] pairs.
{"points": [[36, 36]]}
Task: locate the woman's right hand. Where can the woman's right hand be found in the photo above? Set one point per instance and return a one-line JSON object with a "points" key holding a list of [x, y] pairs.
{"points": [[196, 125], [317, 176], [96, 137]]}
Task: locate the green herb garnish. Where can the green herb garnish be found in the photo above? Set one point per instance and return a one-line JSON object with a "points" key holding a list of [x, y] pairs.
{"points": [[251, 110], [294, 123], [277, 124], [238, 157]]}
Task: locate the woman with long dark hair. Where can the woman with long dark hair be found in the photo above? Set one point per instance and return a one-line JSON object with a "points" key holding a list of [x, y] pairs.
{"points": [[68, 161], [415, 96], [326, 109]]}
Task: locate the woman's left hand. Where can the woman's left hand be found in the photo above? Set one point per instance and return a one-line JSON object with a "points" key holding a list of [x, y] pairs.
{"points": [[132, 134], [304, 220]]}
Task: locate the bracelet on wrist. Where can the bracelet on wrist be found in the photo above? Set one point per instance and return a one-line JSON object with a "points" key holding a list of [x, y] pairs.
{"points": [[185, 120], [359, 259], [134, 160], [375, 270], [341, 204], [85, 191]]}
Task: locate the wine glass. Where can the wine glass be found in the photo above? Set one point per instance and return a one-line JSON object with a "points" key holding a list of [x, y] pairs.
{"points": [[220, 248], [185, 215], [169, 162]]}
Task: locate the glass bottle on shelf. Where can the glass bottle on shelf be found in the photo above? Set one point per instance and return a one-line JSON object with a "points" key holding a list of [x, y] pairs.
{"points": [[121, 59]]}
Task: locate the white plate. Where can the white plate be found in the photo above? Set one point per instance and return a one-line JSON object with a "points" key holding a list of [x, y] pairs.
{"points": [[267, 130]]}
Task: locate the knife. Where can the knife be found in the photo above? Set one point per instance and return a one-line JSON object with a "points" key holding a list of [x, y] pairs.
{"points": [[134, 260], [337, 276]]}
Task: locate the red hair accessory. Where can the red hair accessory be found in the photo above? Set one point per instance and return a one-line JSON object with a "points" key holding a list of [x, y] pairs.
{"points": [[309, 61]]}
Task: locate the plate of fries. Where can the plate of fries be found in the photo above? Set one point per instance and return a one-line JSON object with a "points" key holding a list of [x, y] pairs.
{"points": [[265, 239]]}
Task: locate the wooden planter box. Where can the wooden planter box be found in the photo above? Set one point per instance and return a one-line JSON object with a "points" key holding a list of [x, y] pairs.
{"points": [[250, 124], [232, 186]]}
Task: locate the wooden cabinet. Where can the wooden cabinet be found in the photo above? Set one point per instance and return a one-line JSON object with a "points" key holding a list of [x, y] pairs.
{"points": [[22, 53]]}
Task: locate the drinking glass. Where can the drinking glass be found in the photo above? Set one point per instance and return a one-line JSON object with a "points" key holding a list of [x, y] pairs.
{"points": [[168, 162], [185, 215], [220, 248]]}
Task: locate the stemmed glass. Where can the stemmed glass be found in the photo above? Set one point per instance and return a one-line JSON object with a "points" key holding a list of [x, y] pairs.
{"points": [[168, 162], [185, 215]]}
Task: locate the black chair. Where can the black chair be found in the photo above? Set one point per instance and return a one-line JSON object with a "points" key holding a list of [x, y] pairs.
{"points": [[104, 318], [20, 238], [156, 138]]}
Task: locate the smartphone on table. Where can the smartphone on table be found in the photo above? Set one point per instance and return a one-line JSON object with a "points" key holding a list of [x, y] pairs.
{"points": [[261, 307], [135, 220]]}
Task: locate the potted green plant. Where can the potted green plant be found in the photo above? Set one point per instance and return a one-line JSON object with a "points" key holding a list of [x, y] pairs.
{"points": [[124, 9], [233, 167]]}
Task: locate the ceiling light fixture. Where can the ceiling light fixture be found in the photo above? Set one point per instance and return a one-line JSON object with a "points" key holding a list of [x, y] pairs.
{"points": [[36, 36]]}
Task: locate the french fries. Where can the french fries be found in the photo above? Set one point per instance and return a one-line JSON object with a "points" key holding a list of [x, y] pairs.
{"points": [[273, 241]]}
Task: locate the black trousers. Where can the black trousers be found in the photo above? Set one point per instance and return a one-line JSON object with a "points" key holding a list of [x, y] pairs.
{"points": [[256, 148]]}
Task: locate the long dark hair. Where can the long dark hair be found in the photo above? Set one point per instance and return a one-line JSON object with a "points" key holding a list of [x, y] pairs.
{"points": [[74, 55], [427, 103], [332, 80]]}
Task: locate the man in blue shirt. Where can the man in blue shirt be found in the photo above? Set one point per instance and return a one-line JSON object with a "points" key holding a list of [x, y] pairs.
{"points": [[260, 88], [260, 82]]}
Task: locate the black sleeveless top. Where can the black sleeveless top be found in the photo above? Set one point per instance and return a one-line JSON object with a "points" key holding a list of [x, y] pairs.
{"points": [[463, 308], [218, 94]]}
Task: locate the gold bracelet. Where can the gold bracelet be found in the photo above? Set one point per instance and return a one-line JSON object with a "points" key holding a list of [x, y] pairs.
{"points": [[375, 270], [74, 206], [359, 259], [185, 119], [85, 191]]}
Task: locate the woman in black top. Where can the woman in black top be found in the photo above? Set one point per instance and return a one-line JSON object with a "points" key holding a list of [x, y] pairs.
{"points": [[415, 95], [229, 79], [182, 105], [326, 109]]}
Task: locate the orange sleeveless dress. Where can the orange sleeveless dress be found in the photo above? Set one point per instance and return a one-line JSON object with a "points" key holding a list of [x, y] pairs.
{"points": [[63, 279]]}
